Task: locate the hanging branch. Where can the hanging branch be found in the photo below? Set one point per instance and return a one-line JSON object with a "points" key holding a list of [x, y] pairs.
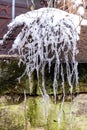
{"points": [[46, 38]]}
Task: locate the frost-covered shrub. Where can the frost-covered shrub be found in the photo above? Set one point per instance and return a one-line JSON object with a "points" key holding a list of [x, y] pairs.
{"points": [[48, 36]]}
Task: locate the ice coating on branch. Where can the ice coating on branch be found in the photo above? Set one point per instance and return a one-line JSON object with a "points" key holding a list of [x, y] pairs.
{"points": [[1, 42], [77, 2], [49, 36]]}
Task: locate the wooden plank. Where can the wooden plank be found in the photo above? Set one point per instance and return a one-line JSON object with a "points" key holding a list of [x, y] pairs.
{"points": [[6, 57]]}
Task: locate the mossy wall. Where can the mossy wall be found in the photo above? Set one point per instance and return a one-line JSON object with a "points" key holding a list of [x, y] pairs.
{"points": [[10, 72], [40, 115]]}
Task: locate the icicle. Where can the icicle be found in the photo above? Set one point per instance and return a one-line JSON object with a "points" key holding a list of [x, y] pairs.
{"points": [[13, 9], [25, 108]]}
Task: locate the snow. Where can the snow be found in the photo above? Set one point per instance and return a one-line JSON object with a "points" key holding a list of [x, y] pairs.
{"points": [[48, 35], [58, 1], [77, 2], [81, 11]]}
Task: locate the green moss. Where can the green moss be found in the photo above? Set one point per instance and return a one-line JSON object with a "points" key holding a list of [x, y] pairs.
{"points": [[9, 72], [11, 117], [34, 113], [43, 115]]}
